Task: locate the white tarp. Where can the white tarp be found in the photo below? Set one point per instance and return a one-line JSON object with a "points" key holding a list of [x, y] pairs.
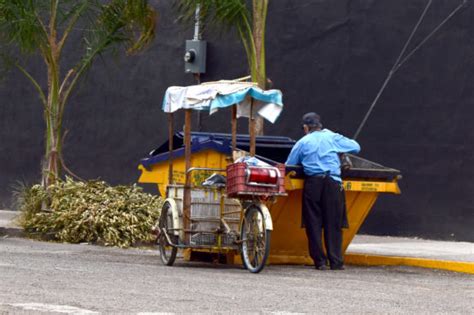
{"points": [[221, 94]]}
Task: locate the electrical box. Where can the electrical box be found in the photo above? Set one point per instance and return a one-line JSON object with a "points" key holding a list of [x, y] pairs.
{"points": [[195, 56]]}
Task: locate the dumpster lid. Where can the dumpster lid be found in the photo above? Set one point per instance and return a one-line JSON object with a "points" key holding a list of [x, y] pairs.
{"points": [[242, 141], [361, 169], [271, 149]]}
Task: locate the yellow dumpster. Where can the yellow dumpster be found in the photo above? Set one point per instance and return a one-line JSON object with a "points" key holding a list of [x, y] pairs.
{"points": [[363, 183]]}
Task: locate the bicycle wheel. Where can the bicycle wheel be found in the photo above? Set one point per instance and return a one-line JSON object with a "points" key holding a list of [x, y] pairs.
{"points": [[167, 252], [255, 240]]}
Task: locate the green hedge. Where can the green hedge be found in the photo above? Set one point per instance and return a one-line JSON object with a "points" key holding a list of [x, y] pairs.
{"points": [[94, 212]]}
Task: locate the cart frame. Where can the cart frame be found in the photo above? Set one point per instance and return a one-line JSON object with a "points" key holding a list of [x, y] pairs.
{"points": [[251, 237]]}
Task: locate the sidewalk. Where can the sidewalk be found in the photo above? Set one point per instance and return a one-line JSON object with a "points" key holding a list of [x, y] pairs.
{"points": [[365, 250], [384, 250]]}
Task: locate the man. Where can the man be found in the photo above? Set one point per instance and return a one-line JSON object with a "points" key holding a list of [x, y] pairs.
{"points": [[323, 196]]}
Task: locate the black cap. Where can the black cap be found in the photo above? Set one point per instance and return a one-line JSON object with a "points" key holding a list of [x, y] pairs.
{"points": [[312, 120]]}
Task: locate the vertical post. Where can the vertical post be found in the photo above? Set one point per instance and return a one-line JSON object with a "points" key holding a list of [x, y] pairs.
{"points": [[234, 128], [170, 148], [252, 131], [187, 158], [197, 76]]}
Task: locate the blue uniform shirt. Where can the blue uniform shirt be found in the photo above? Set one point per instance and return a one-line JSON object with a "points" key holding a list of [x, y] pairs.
{"points": [[318, 153]]}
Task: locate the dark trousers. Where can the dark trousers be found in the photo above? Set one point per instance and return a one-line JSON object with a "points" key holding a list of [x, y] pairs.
{"points": [[324, 210]]}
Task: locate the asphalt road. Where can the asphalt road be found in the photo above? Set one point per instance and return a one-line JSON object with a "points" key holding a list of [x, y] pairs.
{"points": [[39, 277]]}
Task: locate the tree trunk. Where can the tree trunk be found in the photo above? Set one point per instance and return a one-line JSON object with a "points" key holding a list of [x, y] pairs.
{"points": [[53, 145], [258, 68], [53, 118], [52, 164]]}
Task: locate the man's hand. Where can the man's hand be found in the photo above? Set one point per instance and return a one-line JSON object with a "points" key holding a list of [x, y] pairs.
{"points": [[346, 162]]}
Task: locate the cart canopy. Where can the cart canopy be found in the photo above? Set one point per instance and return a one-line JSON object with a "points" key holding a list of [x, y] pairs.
{"points": [[216, 95]]}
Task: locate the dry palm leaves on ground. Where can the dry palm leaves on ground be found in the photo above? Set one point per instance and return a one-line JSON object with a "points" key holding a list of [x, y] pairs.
{"points": [[73, 211]]}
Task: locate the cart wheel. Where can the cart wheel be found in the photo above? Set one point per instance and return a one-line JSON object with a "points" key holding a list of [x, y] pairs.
{"points": [[255, 240], [167, 252]]}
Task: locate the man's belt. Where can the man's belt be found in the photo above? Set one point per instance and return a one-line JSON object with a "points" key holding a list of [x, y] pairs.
{"points": [[323, 175]]}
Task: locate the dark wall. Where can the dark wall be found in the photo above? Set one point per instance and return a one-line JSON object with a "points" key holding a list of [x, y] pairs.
{"points": [[330, 56]]}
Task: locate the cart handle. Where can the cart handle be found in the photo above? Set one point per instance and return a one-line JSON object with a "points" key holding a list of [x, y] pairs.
{"points": [[192, 169]]}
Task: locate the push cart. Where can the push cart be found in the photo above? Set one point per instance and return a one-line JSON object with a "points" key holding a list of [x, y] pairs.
{"points": [[227, 215]]}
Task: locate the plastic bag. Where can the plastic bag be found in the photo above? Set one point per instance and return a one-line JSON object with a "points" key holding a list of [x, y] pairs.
{"points": [[252, 161], [215, 179]]}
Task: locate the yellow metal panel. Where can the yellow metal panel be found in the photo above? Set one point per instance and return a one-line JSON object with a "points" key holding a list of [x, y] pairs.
{"points": [[293, 184], [371, 186], [159, 172], [351, 185], [358, 206]]}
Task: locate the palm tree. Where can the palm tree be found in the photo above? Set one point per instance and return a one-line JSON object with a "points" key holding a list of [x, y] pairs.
{"points": [[44, 27], [249, 23]]}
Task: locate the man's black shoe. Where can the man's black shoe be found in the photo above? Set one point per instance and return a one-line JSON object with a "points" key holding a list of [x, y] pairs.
{"points": [[322, 267], [337, 268]]}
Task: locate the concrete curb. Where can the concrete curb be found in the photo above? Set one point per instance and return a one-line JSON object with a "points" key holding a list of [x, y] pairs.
{"points": [[12, 232], [8, 224], [378, 260]]}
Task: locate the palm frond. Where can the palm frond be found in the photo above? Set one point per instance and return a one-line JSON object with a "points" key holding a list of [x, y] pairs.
{"points": [[21, 24], [127, 23]]}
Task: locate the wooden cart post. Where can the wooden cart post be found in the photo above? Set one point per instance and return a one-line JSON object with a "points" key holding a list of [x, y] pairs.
{"points": [[187, 185], [252, 129], [170, 148], [234, 128]]}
